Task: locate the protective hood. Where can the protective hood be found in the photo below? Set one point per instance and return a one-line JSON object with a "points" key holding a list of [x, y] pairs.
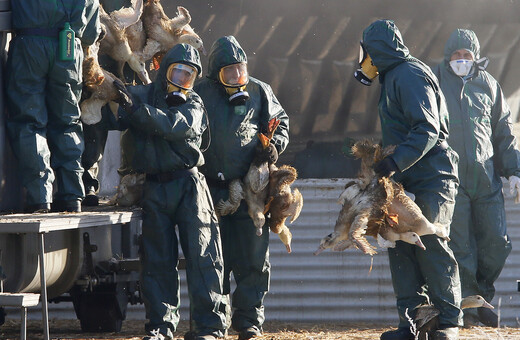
{"points": [[462, 39], [224, 51], [181, 53], [384, 44]]}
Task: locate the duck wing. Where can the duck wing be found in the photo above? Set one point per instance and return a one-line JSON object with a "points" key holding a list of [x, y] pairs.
{"points": [[128, 16], [358, 231], [296, 205], [257, 177], [424, 315], [236, 194]]}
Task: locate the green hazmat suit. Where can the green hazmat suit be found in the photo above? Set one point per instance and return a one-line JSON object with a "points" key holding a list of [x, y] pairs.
{"points": [[43, 94], [481, 126], [413, 116], [162, 140], [234, 139]]}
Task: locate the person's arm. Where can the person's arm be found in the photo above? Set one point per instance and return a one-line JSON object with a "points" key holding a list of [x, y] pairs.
{"points": [[418, 101], [507, 156], [91, 24], [275, 110]]}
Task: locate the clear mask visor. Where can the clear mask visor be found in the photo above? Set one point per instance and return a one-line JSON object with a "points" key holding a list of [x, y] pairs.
{"points": [[234, 75], [181, 75]]}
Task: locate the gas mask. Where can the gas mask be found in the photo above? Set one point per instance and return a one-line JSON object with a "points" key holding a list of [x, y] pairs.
{"points": [[180, 79], [235, 77], [461, 67], [367, 71]]}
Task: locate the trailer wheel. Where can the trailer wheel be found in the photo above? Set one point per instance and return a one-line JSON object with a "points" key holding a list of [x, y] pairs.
{"points": [[102, 310]]}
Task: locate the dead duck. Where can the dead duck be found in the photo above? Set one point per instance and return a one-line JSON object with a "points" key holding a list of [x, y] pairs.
{"points": [[116, 44], [283, 202], [254, 187], [130, 190], [376, 207], [98, 83], [427, 316], [163, 33]]}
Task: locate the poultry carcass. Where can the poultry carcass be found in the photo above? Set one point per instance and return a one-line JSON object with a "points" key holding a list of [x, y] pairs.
{"points": [[377, 207], [99, 83], [163, 33], [116, 43], [427, 316], [282, 202], [254, 187], [130, 190]]}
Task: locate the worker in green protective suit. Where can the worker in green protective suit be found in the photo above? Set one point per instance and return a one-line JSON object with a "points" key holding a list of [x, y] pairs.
{"points": [[480, 121], [43, 85], [413, 117], [239, 107], [166, 122]]}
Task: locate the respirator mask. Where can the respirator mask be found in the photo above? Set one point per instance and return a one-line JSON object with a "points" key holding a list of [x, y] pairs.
{"points": [[367, 71], [235, 77], [461, 67], [180, 78]]}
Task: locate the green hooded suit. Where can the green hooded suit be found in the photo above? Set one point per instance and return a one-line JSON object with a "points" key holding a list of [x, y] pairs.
{"points": [[233, 145], [481, 126], [162, 140], [43, 93], [413, 116]]}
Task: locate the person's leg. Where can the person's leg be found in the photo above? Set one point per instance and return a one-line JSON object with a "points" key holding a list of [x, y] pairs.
{"points": [[437, 263], [26, 76], [65, 132], [493, 243], [249, 255], [159, 255], [200, 240], [95, 139]]}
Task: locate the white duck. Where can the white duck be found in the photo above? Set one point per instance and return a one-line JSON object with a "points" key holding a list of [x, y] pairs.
{"points": [[116, 43], [163, 33]]}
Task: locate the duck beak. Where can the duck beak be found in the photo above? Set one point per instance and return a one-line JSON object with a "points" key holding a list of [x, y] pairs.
{"points": [[144, 77], [420, 244], [319, 250], [488, 305]]}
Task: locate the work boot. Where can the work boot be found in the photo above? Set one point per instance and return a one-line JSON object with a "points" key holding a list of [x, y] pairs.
{"points": [[250, 332], [41, 208], [470, 320], [448, 333], [66, 206], [193, 336], [402, 333], [487, 317], [91, 200]]}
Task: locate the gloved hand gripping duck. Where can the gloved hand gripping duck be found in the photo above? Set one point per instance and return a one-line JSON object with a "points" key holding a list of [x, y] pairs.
{"points": [[378, 207], [254, 187]]}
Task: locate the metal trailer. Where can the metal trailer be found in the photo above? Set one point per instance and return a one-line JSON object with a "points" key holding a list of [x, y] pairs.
{"points": [[89, 258]]}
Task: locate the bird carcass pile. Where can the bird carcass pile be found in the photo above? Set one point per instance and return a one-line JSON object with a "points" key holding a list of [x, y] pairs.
{"points": [[267, 192], [135, 35], [378, 207]]}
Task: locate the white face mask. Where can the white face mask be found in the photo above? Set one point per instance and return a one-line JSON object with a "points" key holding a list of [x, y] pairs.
{"points": [[461, 67]]}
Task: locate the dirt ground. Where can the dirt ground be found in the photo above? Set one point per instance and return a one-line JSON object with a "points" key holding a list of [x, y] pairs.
{"points": [[133, 330]]}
